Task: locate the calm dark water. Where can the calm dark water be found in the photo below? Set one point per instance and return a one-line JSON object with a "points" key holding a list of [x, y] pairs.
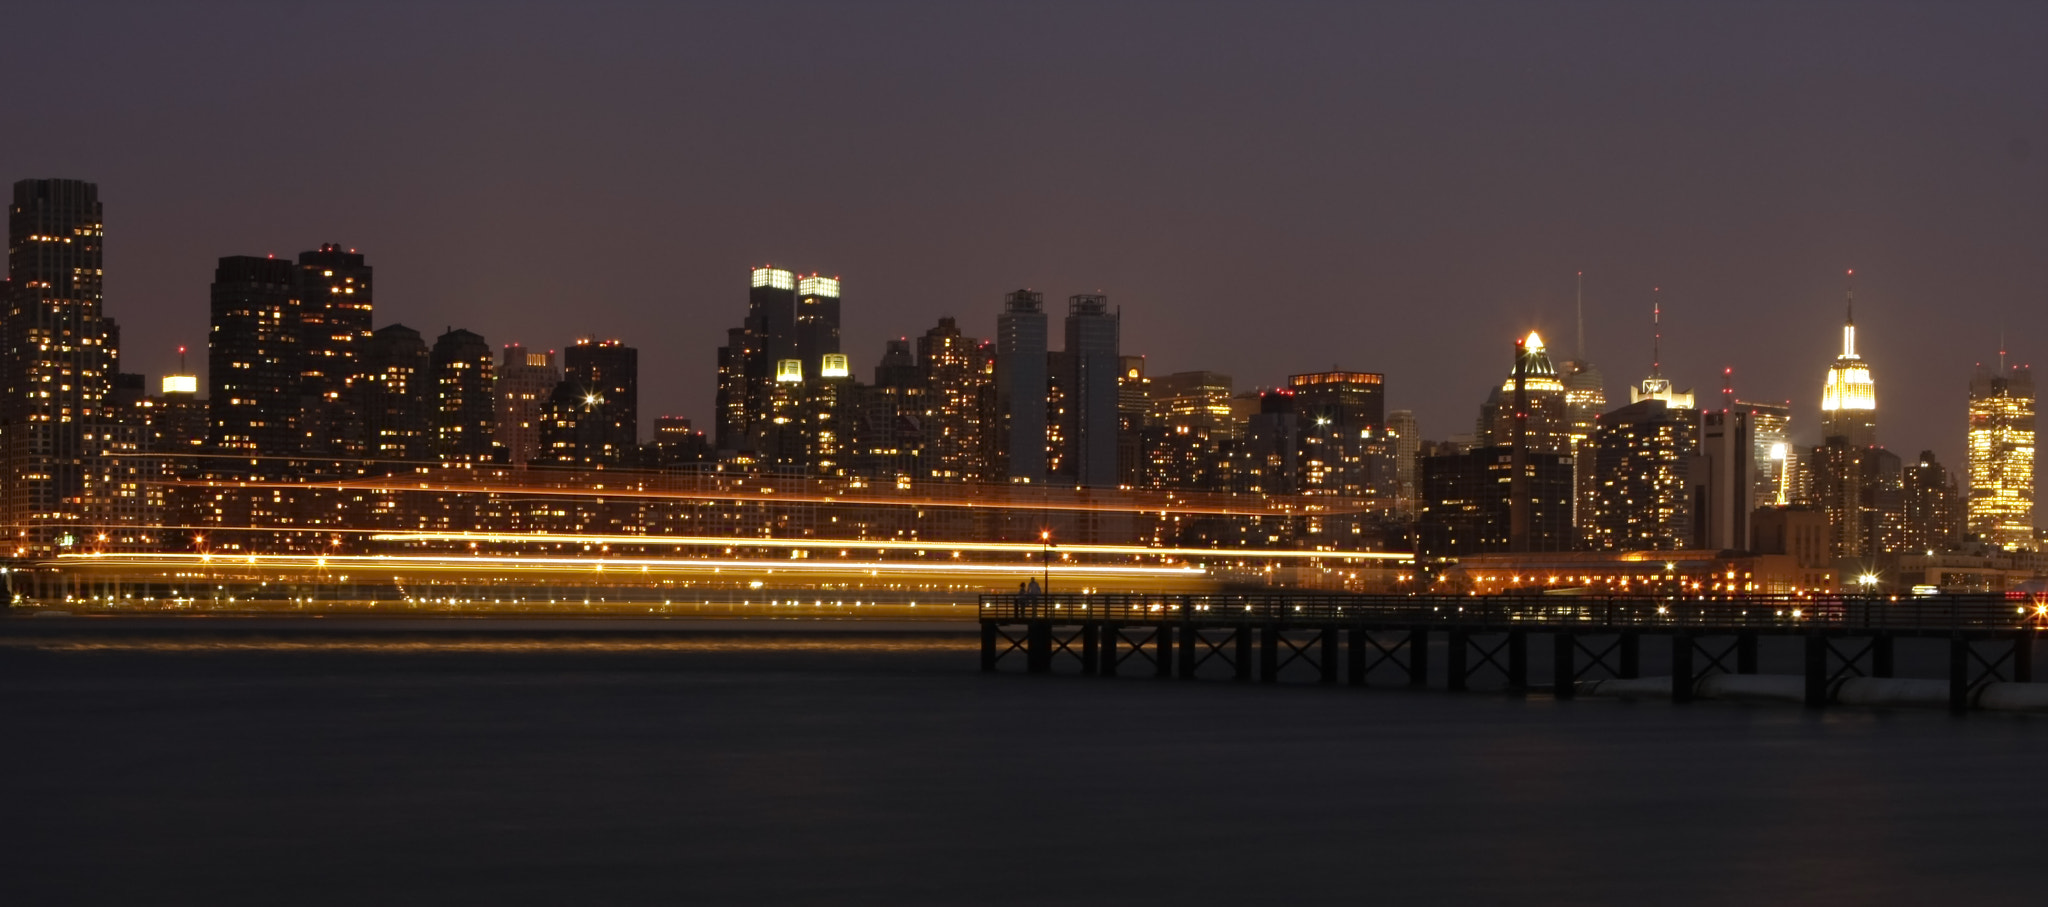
{"points": [[832, 768]]}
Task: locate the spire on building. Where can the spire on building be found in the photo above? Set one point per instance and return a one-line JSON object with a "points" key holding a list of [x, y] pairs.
{"points": [[1656, 386]]}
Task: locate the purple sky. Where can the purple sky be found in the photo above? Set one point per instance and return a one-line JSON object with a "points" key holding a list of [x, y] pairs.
{"points": [[1263, 188]]}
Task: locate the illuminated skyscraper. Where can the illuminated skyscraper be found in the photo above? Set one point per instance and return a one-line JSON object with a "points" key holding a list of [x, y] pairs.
{"points": [[57, 359], [817, 320], [608, 370], [1548, 428], [1643, 454], [1773, 455], [959, 378], [2001, 495], [1848, 399], [1656, 386], [747, 362]]}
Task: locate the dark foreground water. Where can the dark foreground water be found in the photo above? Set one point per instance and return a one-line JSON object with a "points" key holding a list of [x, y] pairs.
{"points": [[835, 767]]}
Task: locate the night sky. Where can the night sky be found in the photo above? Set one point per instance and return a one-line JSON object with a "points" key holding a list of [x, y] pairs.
{"points": [[1262, 188]]}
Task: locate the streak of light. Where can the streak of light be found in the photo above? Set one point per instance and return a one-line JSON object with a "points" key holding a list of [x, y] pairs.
{"points": [[669, 565], [875, 544]]}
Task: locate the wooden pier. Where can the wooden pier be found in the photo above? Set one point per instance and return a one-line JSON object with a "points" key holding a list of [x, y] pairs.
{"points": [[1988, 638]]}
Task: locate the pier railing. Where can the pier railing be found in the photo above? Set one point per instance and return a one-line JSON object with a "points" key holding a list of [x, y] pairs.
{"points": [[1936, 612]]}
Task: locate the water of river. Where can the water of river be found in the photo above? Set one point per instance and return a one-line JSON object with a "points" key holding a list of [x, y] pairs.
{"points": [[802, 767]]}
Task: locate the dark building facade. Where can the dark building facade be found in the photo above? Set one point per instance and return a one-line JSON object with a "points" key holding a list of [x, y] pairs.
{"points": [[1090, 415], [397, 395], [335, 297], [1020, 387], [464, 411], [1465, 506], [603, 382], [254, 371], [59, 360]]}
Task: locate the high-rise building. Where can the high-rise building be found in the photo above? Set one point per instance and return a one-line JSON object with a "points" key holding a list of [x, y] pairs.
{"points": [[1860, 488], [747, 362], [1848, 400], [1723, 478], [1642, 457], [959, 377], [252, 357], [817, 319], [397, 395], [2001, 496], [1932, 512], [1772, 453], [464, 410], [1466, 502], [1407, 452], [1585, 398], [607, 374], [525, 380], [1656, 386], [1092, 397], [1020, 386], [1344, 447], [1547, 428], [57, 361], [335, 299]]}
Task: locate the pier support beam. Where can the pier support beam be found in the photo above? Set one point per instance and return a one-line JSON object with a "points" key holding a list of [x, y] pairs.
{"points": [[1563, 673], [1190, 637], [1681, 666], [1326, 661], [1112, 637], [1418, 657], [1089, 632], [1038, 646], [1631, 643], [1518, 659], [988, 646], [2023, 657], [1162, 651], [1816, 670], [1269, 653], [1354, 668], [1745, 652], [1454, 660], [1244, 654], [1881, 655]]}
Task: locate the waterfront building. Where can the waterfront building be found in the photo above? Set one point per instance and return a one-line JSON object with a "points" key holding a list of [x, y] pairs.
{"points": [[1932, 512], [57, 361], [1465, 502], [958, 373], [1860, 489], [608, 372]]}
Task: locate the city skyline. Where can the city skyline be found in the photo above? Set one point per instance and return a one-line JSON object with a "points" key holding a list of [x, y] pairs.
{"points": [[1353, 180]]}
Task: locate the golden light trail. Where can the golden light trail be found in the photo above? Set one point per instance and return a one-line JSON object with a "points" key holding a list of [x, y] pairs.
{"points": [[666, 565], [1031, 548]]}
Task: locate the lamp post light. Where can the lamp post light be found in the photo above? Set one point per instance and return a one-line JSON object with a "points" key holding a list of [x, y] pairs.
{"points": [[1045, 562]]}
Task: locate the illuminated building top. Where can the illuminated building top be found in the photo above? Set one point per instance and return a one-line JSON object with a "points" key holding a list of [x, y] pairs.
{"points": [[181, 384], [1335, 378], [1656, 386], [1538, 372], [834, 366], [812, 285], [1848, 399], [789, 370], [778, 278], [2000, 507]]}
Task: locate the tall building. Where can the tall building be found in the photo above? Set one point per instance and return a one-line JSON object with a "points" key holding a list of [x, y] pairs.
{"points": [[605, 376], [1407, 453], [1465, 502], [1020, 386], [253, 367], [1656, 386], [2001, 495], [1770, 426], [335, 297], [747, 362], [59, 361], [1848, 399], [1642, 459], [397, 395], [1092, 393], [464, 408], [1860, 488], [1724, 477], [1547, 428], [1932, 511], [959, 379], [1585, 398], [817, 319], [525, 380]]}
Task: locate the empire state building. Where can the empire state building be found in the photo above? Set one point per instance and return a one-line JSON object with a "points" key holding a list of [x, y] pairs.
{"points": [[1848, 401]]}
